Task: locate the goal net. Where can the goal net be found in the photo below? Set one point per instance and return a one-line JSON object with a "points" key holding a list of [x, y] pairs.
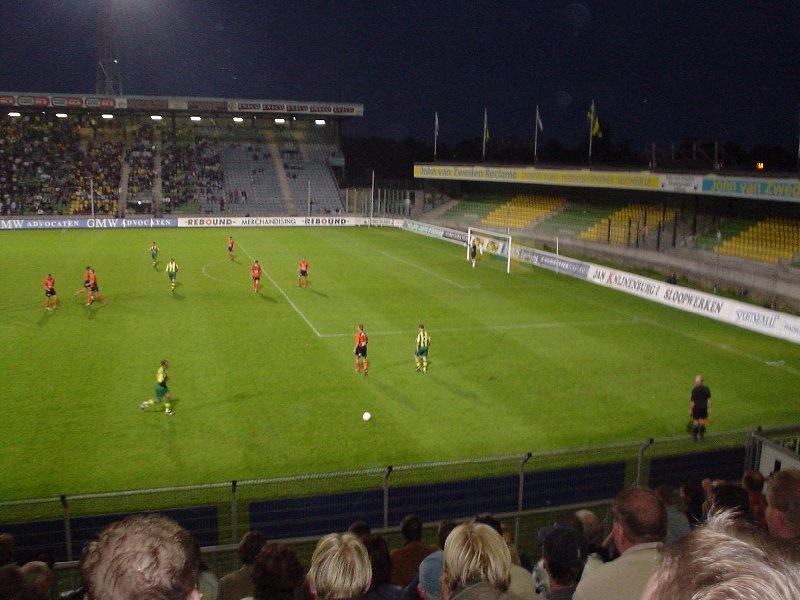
{"points": [[498, 244]]}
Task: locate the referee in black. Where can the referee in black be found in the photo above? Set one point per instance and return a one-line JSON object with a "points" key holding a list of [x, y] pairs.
{"points": [[700, 408]]}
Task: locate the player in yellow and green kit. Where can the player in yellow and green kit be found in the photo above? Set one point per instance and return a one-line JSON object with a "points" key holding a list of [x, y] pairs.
{"points": [[172, 272], [154, 253], [161, 389], [421, 352]]}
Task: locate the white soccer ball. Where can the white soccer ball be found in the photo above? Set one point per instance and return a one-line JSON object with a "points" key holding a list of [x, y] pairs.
{"points": [[366, 416]]}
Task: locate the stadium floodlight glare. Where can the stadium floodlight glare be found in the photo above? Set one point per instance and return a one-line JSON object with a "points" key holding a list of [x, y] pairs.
{"points": [[14, 114], [280, 121], [61, 115], [237, 119], [107, 116], [155, 117], [319, 121], [194, 118]]}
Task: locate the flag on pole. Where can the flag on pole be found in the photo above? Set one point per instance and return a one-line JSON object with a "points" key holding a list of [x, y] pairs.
{"points": [[485, 130], [436, 123], [594, 122], [539, 125], [435, 133]]}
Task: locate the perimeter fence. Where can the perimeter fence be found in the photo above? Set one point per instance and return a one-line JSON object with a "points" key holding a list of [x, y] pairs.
{"points": [[526, 491]]}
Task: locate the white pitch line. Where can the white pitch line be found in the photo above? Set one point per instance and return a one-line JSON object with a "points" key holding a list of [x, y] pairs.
{"points": [[226, 281], [428, 271], [289, 300]]}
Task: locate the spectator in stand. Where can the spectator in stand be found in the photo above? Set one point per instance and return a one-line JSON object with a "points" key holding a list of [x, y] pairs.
{"points": [[360, 529], [207, 582], [406, 560], [783, 510], [13, 585], [677, 522], [726, 560], [732, 497], [477, 564], [521, 583], [431, 566], [239, 583], [692, 497], [381, 587], [277, 573], [38, 578], [340, 568], [753, 483], [564, 552], [143, 556], [6, 549], [590, 525], [640, 525]]}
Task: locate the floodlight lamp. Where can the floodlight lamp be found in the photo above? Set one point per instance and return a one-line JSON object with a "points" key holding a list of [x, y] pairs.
{"points": [[319, 121], [237, 119], [155, 117], [194, 118], [61, 115], [280, 121], [107, 116], [14, 114]]}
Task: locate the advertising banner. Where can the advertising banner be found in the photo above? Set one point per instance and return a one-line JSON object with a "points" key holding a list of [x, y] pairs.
{"points": [[88, 223]]}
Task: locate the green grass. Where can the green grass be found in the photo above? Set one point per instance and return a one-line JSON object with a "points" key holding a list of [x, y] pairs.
{"points": [[519, 363]]}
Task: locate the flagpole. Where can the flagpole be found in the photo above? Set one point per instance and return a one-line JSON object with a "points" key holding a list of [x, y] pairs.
{"points": [[591, 131], [435, 134], [536, 136], [485, 125]]}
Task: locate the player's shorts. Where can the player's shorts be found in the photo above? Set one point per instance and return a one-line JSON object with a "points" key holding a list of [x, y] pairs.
{"points": [[172, 274], [699, 413], [230, 248], [49, 293], [154, 255], [361, 351], [422, 351], [86, 285], [303, 273], [473, 253], [161, 391], [257, 278], [94, 289]]}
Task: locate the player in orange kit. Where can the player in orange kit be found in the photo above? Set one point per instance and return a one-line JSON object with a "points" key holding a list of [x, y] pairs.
{"points": [[85, 288], [255, 271], [94, 290], [231, 245], [302, 276], [50, 292], [360, 351]]}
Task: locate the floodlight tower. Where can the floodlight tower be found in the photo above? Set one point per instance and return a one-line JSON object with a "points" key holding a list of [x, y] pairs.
{"points": [[109, 75]]}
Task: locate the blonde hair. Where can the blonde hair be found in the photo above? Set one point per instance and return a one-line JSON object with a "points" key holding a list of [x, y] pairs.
{"points": [[475, 552], [340, 567]]}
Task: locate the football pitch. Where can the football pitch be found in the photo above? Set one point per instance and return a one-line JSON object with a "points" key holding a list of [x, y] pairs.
{"points": [[264, 384]]}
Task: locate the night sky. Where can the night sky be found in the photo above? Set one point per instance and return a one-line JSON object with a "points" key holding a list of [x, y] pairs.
{"points": [[658, 70]]}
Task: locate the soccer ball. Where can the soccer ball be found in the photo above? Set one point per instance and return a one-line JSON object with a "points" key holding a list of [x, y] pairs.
{"points": [[366, 416]]}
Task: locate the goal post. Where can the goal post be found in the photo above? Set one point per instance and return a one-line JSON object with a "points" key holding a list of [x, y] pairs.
{"points": [[492, 242]]}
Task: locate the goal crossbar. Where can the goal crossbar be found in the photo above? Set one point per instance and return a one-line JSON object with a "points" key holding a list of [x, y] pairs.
{"points": [[495, 243]]}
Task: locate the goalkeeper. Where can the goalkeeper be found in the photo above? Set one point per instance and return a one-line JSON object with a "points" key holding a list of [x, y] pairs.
{"points": [[421, 352]]}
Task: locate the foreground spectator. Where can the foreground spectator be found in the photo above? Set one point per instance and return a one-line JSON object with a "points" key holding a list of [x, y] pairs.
{"points": [[521, 583], [239, 584], [726, 560], [692, 497], [277, 573], [381, 587], [677, 522], [564, 554], [144, 556], [783, 511], [753, 483], [426, 584], [360, 529], [406, 560], [38, 578], [6, 549], [340, 568], [640, 525], [477, 564], [730, 496]]}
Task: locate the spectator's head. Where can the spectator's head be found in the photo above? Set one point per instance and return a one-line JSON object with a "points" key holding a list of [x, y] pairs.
{"points": [[340, 568], [379, 559], [476, 552], [12, 584], [490, 520], [783, 509], [38, 578], [753, 481], [277, 572], [250, 546], [411, 528], [360, 529], [725, 560], [430, 575], [729, 496], [6, 548], [446, 526], [666, 493], [590, 525], [639, 517], [564, 553], [144, 556]]}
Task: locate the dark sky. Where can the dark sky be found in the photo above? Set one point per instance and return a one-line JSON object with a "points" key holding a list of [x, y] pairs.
{"points": [[658, 70]]}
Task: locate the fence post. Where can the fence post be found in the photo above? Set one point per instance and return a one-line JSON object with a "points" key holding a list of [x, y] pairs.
{"points": [[234, 532], [640, 467], [750, 450], [386, 476], [520, 492], [67, 527]]}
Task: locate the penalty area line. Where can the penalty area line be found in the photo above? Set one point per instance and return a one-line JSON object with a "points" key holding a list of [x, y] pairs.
{"points": [[429, 272], [289, 300]]}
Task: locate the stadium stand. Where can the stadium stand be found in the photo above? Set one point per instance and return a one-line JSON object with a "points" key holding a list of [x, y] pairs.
{"points": [[769, 240], [523, 210], [631, 224]]}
